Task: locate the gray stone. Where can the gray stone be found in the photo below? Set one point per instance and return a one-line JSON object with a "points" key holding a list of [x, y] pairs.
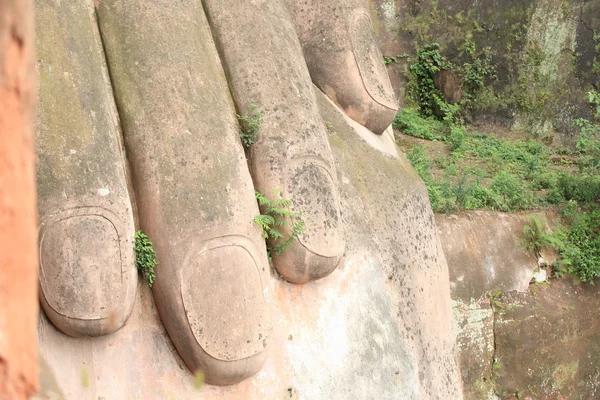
{"points": [[264, 65], [88, 277], [194, 193], [344, 60]]}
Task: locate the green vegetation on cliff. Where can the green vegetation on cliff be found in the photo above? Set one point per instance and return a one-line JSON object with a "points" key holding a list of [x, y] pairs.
{"points": [[464, 169]]}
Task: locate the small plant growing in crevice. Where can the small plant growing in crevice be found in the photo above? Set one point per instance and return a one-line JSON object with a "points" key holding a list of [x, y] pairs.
{"points": [[250, 125], [276, 214], [535, 237], [145, 257]]}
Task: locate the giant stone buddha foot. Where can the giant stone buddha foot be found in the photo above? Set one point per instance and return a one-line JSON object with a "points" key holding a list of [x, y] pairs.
{"points": [[137, 126]]}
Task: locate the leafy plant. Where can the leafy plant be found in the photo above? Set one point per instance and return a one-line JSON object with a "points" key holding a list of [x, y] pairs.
{"points": [[429, 61], [145, 257], [594, 100], [535, 236], [276, 215], [580, 253], [510, 191], [250, 125], [410, 122], [476, 70], [387, 60]]}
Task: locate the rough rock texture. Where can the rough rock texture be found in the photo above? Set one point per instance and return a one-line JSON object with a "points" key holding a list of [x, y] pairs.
{"points": [[450, 84], [539, 341], [292, 157], [344, 59], [547, 54], [485, 258], [548, 342], [474, 331], [18, 256], [363, 332], [484, 253], [197, 208], [402, 230], [88, 277]]}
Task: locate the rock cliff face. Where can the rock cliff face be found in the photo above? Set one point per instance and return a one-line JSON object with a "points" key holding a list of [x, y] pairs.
{"points": [[516, 339], [547, 54], [151, 127]]}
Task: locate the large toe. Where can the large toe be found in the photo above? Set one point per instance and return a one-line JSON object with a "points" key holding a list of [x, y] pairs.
{"points": [[216, 312], [87, 272], [344, 60]]}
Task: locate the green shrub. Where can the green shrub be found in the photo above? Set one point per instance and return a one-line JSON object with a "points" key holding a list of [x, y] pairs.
{"points": [[510, 192], [427, 97], [535, 236], [544, 180], [580, 253], [457, 137], [145, 257], [420, 161], [583, 187], [411, 123], [588, 144]]}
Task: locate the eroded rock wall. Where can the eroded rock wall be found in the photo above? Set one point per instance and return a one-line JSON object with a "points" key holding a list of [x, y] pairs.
{"points": [[516, 339], [547, 54]]}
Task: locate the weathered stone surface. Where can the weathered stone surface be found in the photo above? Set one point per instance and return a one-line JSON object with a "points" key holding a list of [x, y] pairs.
{"points": [[377, 328], [402, 230], [484, 253], [87, 274], [485, 257], [474, 331], [548, 342], [194, 192], [264, 64], [344, 60], [449, 83], [18, 256]]}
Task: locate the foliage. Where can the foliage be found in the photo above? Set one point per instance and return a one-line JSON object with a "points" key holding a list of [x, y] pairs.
{"points": [[475, 71], [594, 100], [588, 143], [580, 247], [410, 122], [387, 60], [250, 125], [535, 236], [428, 61], [145, 257], [514, 172], [276, 215], [485, 171], [510, 191]]}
